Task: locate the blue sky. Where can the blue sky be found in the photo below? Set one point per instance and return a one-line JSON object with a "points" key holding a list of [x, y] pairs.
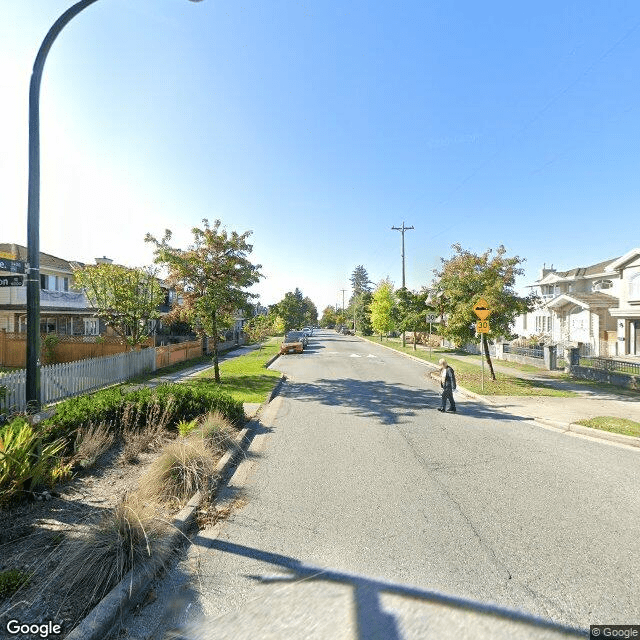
{"points": [[320, 125]]}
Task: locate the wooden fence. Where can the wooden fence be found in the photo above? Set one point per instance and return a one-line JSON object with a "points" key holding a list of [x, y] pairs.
{"points": [[172, 353], [57, 349], [59, 381]]}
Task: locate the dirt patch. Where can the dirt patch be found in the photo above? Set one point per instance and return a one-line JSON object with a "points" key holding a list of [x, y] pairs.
{"points": [[35, 534]]}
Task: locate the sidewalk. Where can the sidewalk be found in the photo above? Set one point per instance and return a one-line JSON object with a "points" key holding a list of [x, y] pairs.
{"points": [[558, 412]]}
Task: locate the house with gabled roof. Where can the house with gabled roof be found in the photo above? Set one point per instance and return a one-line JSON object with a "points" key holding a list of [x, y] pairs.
{"points": [[63, 310], [579, 307], [627, 314]]}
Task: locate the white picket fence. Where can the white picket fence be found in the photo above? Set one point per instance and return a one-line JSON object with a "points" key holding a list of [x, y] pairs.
{"points": [[60, 381]]}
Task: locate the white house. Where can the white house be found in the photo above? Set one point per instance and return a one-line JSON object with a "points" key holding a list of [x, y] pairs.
{"points": [[627, 314], [582, 306], [63, 311]]}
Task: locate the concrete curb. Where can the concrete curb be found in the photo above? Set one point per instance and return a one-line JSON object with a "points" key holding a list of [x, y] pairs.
{"points": [[565, 427], [573, 427], [105, 618]]}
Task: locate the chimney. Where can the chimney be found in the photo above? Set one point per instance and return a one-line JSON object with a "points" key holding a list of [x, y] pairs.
{"points": [[104, 260], [545, 272]]}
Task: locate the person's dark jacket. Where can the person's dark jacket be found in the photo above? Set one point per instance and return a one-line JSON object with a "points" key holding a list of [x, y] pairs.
{"points": [[449, 380]]}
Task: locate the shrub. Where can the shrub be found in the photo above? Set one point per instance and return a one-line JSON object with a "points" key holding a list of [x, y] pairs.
{"points": [[187, 402], [186, 427], [11, 580], [26, 462]]}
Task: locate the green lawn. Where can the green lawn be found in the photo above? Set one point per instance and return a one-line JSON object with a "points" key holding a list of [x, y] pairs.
{"points": [[245, 378], [614, 425], [469, 375]]}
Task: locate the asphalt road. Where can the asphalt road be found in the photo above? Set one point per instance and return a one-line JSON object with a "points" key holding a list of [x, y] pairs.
{"points": [[359, 506]]}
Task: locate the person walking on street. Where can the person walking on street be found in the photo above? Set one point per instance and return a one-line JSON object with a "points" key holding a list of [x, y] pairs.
{"points": [[448, 384]]}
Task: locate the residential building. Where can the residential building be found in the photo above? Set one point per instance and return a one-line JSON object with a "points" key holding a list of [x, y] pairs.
{"points": [[596, 307], [63, 310], [627, 314]]}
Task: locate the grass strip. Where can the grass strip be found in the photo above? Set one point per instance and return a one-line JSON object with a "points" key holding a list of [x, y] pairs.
{"points": [[245, 378], [469, 375], [613, 425]]}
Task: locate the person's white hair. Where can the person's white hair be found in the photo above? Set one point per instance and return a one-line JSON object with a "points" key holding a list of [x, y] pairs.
{"points": [[442, 362]]}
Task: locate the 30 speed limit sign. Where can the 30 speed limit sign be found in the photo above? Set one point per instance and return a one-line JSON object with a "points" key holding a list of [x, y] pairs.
{"points": [[482, 326]]}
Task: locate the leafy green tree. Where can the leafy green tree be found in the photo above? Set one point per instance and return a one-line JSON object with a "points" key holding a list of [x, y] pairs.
{"points": [[124, 298], [310, 313], [258, 328], [411, 311], [361, 312], [382, 304], [466, 277], [210, 276], [296, 310], [329, 318]]}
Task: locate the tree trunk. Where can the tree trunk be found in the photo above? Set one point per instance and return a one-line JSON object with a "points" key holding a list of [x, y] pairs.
{"points": [[487, 355], [216, 368], [404, 340], [414, 340]]}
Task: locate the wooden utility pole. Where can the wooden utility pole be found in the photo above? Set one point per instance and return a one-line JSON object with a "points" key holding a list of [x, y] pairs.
{"points": [[402, 229]]}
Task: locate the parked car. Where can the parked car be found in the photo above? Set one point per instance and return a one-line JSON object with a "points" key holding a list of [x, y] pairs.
{"points": [[292, 343], [308, 330]]}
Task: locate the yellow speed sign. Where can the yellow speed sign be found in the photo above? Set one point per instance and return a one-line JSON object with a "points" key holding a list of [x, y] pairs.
{"points": [[482, 326]]}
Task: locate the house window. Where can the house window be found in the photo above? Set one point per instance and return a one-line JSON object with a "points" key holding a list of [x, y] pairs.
{"points": [[54, 283], [91, 327], [47, 325], [598, 285], [634, 287]]}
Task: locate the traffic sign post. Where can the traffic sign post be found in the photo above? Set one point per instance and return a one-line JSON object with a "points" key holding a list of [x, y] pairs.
{"points": [[481, 309], [431, 317]]}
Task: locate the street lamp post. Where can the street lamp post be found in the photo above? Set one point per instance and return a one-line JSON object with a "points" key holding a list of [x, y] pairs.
{"points": [[33, 208]]}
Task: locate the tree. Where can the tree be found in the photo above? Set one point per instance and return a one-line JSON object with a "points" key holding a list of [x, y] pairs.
{"points": [[296, 310], [360, 282], [329, 318], [361, 312], [210, 277], [382, 308], [411, 311], [466, 277], [310, 313], [124, 298], [258, 328]]}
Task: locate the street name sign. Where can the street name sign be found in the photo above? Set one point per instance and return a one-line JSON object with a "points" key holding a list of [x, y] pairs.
{"points": [[12, 266], [481, 309], [10, 281], [482, 326]]}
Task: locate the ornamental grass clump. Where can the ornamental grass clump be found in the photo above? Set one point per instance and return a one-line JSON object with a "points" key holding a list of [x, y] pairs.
{"points": [[184, 467], [217, 431], [97, 559], [91, 442]]}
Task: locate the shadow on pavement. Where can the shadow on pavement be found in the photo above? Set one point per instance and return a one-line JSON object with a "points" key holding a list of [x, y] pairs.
{"points": [[371, 620], [388, 403]]}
